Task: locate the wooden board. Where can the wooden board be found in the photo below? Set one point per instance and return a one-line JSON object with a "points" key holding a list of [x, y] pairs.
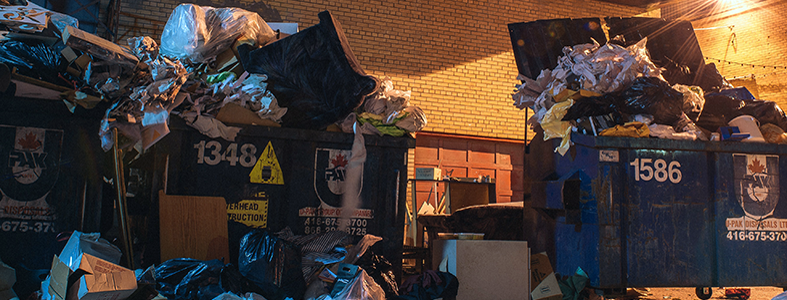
{"points": [[193, 227]]}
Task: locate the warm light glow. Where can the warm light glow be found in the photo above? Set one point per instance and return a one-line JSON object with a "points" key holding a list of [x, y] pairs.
{"points": [[730, 2], [733, 6]]}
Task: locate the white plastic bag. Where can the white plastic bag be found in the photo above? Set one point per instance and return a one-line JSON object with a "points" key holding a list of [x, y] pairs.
{"points": [[198, 33], [362, 287]]}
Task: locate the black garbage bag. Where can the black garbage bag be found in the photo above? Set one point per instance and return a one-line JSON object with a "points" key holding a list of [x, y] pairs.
{"points": [[429, 285], [272, 264], [189, 279], [36, 60], [591, 106], [645, 95], [720, 109], [313, 73], [653, 96], [232, 281], [381, 271], [709, 79]]}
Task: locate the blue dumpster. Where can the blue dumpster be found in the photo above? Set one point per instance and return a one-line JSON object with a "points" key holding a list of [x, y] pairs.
{"points": [[655, 212]]}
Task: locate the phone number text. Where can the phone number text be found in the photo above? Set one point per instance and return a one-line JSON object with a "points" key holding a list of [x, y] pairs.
{"points": [[761, 236], [25, 226]]}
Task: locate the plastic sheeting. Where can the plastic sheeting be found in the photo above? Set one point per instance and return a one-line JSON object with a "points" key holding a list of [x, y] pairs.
{"points": [[363, 287], [198, 33]]}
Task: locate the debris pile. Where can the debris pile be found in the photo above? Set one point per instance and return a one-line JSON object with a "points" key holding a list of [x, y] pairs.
{"points": [[611, 90]]}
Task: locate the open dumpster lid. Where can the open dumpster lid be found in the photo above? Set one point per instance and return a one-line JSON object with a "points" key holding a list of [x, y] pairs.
{"points": [[672, 45]]}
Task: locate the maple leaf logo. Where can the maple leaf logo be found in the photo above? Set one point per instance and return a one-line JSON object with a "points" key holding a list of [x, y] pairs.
{"points": [[30, 142], [339, 161], [756, 167]]}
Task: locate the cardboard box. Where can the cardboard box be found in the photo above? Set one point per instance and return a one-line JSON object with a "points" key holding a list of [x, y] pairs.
{"points": [[232, 113], [99, 47], [93, 279], [428, 173], [486, 269], [58, 279], [542, 279]]}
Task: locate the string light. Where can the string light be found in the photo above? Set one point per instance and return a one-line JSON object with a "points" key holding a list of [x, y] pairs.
{"points": [[747, 64]]}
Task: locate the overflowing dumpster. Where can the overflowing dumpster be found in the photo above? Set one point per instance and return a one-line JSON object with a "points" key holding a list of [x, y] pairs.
{"points": [[654, 212], [276, 178], [640, 167]]}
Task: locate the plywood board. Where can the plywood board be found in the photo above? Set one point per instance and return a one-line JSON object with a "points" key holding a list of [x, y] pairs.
{"points": [[193, 227]]}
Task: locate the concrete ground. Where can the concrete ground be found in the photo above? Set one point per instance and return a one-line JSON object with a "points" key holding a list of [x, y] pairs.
{"points": [[757, 293]]}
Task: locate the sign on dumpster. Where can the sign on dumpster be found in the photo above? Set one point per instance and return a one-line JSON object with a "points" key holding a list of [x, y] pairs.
{"points": [[329, 186], [31, 167], [756, 183], [751, 220]]}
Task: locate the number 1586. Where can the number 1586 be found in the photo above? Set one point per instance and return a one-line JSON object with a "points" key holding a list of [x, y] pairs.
{"points": [[646, 169]]}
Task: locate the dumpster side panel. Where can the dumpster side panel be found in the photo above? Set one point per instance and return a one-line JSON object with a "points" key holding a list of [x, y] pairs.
{"points": [[751, 219], [669, 218], [272, 178], [52, 171], [588, 236]]}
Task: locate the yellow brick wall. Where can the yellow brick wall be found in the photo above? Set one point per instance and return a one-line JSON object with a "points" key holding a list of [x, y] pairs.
{"points": [[455, 56], [755, 45]]}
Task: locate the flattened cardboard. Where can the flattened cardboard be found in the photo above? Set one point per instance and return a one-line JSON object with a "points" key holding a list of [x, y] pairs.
{"points": [[232, 113], [58, 282], [543, 283]]}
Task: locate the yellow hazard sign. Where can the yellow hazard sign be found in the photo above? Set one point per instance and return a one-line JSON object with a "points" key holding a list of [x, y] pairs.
{"points": [[267, 169], [252, 213]]}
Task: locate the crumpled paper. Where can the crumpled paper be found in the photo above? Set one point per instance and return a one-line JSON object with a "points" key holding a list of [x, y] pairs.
{"points": [[141, 116], [366, 128], [389, 111], [591, 68], [773, 134], [211, 127], [530, 90], [668, 132], [249, 91]]}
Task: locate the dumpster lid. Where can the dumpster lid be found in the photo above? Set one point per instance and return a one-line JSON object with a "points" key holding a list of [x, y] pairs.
{"points": [[672, 45]]}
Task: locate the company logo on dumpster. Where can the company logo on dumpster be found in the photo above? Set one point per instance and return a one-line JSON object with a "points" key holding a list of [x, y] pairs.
{"points": [[31, 164], [329, 174], [756, 181]]}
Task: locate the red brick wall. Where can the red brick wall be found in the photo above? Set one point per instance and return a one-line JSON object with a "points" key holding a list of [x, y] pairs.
{"points": [[455, 56], [756, 43]]}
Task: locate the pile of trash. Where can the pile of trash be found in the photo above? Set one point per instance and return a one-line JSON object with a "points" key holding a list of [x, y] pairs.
{"points": [[272, 266], [212, 67], [611, 90]]}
